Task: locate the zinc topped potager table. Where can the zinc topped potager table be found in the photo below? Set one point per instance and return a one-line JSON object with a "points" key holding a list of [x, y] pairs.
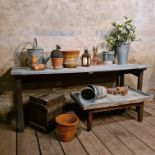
{"points": [[112, 102], [25, 78]]}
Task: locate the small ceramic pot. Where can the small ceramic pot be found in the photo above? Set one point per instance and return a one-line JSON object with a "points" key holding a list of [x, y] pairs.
{"points": [[57, 63], [71, 58], [66, 126]]}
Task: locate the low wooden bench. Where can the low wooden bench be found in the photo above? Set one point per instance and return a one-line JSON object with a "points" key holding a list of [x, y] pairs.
{"points": [[112, 102]]}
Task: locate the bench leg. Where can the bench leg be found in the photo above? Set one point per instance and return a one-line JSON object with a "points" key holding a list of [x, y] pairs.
{"points": [[140, 110], [89, 119]]}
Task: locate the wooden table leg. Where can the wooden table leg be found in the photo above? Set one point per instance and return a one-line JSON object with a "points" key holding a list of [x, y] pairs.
{"points": [[140, 83], [89, 119], [18, 103], [140, 109], [140, 80], [121, 80]]}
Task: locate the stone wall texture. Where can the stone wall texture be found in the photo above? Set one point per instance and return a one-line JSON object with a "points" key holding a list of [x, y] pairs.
{"points": [[75, 24]]}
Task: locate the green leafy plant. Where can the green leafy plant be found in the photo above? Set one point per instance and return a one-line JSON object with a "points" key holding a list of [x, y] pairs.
{"points": [[121, 33]]}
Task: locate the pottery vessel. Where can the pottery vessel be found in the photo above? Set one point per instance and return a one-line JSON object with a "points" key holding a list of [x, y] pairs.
{"points": [[57, 63], [71, 58], [66, 126]]}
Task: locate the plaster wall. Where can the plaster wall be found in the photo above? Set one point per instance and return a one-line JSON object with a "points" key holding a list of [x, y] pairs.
{"points": [[75, 24]]}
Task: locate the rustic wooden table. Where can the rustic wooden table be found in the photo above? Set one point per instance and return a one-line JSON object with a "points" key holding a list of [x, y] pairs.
{"points": [[112, 102], [25, 78]]}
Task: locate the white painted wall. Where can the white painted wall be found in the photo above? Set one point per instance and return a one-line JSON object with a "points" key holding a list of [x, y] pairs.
{"points": [[75, 24]]}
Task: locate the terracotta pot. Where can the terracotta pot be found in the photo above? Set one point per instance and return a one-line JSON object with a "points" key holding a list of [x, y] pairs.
{"points": [[66, 126], [57, 63], [71, 58]]}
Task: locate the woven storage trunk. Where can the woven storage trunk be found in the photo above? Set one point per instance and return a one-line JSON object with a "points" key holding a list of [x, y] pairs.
{"points": [[43, 108]]}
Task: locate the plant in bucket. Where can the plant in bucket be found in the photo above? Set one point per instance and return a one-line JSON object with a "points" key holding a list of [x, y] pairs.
{"points": [[66, 126], [119, 39], [57, 58]]}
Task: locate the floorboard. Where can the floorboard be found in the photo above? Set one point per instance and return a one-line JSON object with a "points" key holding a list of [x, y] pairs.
{"points": [[127, 136], [139, 133], [73, 148], [116, 134], [49, 144], [114, 144], [91, 143], [27, 143], [147, 123], [7, 140]]}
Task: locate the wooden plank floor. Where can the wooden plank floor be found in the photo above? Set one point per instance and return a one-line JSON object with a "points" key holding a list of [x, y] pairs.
{"points": [[116, 134]]}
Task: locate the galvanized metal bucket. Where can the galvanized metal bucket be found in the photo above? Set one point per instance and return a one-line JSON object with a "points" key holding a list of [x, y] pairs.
{"points": [[122, 53]]}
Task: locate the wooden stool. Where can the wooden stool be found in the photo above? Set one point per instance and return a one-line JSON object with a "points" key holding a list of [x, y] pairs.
{"points": [[112, 102]]}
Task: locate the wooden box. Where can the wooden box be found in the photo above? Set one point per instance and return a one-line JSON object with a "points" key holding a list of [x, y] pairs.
{"points": [[43, 108]]}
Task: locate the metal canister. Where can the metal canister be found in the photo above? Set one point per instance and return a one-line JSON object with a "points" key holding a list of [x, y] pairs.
{"points": [[35, 54], [108, 57]]}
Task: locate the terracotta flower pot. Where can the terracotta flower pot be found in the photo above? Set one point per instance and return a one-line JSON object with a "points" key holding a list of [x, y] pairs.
{"points": [[57, 63], [66, 126]]}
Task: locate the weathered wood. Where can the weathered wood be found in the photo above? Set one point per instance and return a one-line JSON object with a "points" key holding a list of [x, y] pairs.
{"points": [[46, 107], [89, 119], [133, 97], [147, 123], [112, 102], [90, 142], [109, 140], [140, 112], [121, 80], [116, 135], [18, 103], [150, 110], [48, 99], [140, 80], [151, 120], [27, 143], [150, 104], [62, 78], [49, 144], [90, 69], [138, 131], [8, 140], [73, 148], [126, 135]]}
